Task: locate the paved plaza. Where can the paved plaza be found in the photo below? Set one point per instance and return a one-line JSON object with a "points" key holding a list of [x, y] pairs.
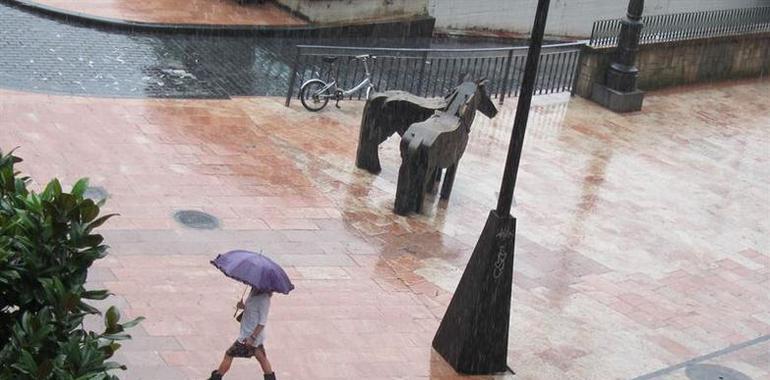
{"points": [[641, 252], [642, 244]]}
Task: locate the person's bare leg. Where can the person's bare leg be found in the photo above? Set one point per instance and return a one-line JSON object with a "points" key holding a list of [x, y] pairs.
{"points": [[227, 361], [261, 357]]}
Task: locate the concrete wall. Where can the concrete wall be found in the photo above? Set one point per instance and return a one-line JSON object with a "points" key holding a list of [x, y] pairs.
{"points": [[338, 11], [682, 62], [565, 17]]}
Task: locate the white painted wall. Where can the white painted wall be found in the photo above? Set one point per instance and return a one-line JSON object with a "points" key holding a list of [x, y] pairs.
{"points": [[565, 17]]}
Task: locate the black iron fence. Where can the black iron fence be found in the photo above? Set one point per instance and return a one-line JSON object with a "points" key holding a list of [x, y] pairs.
{"points": [[684, 26], [433, 72]]}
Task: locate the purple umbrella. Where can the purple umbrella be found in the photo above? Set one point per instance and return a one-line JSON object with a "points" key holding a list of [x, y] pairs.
{"points": [[254, 269]]}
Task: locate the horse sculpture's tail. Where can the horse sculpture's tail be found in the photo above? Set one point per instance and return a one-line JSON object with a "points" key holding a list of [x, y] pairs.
{"points": [[368, 138]]}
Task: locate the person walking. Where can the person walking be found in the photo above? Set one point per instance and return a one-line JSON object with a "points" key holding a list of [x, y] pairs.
{"points": [[265, 277], [251, 340]]}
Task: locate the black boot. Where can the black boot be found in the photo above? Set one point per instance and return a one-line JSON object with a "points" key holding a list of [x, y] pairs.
{"points": [[215, 376], [270, 376]]}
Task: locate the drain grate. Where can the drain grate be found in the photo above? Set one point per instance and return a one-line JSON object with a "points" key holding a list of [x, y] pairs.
{"points": [[96, 193], [713, 372], [196, 219]]}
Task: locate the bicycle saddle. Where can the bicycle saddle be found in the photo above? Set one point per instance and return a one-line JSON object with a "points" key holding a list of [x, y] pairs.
{"points": [[329, 59]]}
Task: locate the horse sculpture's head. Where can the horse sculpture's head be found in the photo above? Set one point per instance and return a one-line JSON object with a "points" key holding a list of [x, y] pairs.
{"points": [[484, 103], [469, 97]]}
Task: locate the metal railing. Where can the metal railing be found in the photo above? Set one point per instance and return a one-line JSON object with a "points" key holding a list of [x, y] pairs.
{"points": [[433, 72], [685, 26]]}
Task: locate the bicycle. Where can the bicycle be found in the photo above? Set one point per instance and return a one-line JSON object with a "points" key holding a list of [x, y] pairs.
{"points": [[315, 93]]}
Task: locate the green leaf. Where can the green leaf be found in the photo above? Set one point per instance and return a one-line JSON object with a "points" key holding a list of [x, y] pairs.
{"points": [[79, 188], [88, 211], [13, 158], [92, 241], [88, 308], [96, 294], [133, 323], [112, 317], [25, 321], [110, 349], [20, 186], [44, 369], [67, 203], [26, 363], [9, 276], [112, 365], [116, 336], [53, 189], [98, 222]]}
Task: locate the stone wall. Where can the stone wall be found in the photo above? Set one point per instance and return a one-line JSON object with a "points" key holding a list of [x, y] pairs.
{"points": [[681, 62], [345, 11], [565, 17]]}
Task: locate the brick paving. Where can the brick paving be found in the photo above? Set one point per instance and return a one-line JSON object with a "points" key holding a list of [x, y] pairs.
{"points": [[204, 12], [642, 239]]}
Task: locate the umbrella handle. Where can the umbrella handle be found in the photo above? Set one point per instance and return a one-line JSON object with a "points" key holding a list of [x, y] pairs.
{"points": [[242, 295]]}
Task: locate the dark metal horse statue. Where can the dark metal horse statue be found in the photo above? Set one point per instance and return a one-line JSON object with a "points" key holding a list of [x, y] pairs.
{"points": [[428, 147], [387, 113]]}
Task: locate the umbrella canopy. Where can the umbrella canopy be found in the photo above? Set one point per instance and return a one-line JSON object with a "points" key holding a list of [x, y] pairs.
{"points": [[254, 269]]}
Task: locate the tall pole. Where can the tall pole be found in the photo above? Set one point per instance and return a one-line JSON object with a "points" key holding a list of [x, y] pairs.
{"points": [[522, 111], [473, 335]]}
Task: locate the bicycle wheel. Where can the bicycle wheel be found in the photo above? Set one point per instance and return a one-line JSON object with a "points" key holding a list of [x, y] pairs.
{"points": [[314, 95]]}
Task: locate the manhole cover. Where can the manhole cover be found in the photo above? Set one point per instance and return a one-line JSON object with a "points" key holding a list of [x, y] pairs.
{"points": [[196, 219], [96, 193], [713, 372]]}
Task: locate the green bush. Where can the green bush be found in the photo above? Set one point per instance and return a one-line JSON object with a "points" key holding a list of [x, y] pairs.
{"points": [[47, 245]]}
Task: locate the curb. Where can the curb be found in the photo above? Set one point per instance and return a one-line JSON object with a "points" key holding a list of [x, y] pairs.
{"points": [[139, 26], [197, 29]]}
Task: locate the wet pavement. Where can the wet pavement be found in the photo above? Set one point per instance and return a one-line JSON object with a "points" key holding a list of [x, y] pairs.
{"points": [[642, 242], [203, 12], [43, 55]]}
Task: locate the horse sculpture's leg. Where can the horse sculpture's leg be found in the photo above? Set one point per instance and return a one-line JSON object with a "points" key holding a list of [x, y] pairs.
{"points": [[449, 179], [367, 157], [433, 185], [412, 178]]}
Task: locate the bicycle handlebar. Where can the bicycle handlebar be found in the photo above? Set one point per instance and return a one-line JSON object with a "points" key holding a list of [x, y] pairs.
{"points": [[364, 56]]}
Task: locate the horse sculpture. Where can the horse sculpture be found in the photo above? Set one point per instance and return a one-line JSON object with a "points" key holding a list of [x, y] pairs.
{"points": [[428, 147], [387, 113]]}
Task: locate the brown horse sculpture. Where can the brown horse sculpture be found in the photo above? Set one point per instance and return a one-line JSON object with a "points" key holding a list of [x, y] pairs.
{"points": [[428, 147]]}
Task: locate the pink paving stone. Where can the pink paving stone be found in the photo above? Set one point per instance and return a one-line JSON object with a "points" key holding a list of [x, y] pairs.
{"points": [[561, 356], [617, 256], [290, 224]]}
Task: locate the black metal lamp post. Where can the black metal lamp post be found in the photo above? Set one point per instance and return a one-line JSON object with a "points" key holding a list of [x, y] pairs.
{"points": [[473, 335], [620, 93]]}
